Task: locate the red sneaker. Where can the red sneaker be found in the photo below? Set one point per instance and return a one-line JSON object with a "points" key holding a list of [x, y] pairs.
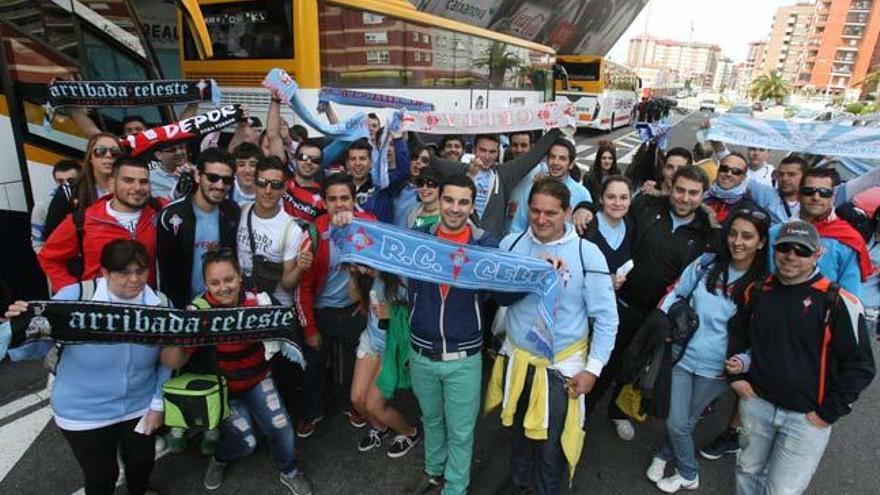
{"points": [[305, 427], [355, 418]]}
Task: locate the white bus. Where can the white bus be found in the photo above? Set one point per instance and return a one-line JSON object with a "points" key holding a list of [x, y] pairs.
{"points": [[605, 94]]}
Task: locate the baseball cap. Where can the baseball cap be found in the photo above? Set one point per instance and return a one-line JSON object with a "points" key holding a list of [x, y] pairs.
{"points": [[798, 232]]}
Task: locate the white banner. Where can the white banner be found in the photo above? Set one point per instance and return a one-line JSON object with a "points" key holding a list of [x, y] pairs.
{"points": [[835, 139], [544, 116]]}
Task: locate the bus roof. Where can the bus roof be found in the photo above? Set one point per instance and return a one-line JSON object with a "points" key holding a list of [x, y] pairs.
{"points": [[405, 10]]}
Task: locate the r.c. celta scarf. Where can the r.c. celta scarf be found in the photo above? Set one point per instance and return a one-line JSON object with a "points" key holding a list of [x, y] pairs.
{"points": [[420, 256], [73, 322], [131, 93], [544, 116], [373, 100], [186, 129]]}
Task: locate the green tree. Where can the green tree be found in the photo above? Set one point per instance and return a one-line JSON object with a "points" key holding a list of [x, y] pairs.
{"points": [[769, 86], [871, 82], [501, 63]]}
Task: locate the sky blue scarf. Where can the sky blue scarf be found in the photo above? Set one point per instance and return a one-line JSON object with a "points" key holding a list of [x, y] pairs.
{"points": [[416, 255], [373, 100]]}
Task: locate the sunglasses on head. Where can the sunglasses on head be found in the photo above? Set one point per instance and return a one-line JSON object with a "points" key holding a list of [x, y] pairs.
{"points": [[303, 157], [212, 178], [726, 169], [757, 215], [274, 184], [800, 251], [426, 182], [824, 192], [112, 151]]}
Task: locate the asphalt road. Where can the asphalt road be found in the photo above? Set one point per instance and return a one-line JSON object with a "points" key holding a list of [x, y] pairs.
{"points": [[34, 458]]}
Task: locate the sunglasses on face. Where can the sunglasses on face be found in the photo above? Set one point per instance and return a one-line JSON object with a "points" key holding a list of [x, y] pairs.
{"points": [[725, 169], [800, 251], [426, 183], [111, 151], [308, 158], [227, 179], [274, 184], [824, 192]]}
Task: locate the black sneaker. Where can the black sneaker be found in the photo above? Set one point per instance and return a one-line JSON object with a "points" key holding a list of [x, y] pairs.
{"points": [[426, 485], [402, 444], [373, 439], [726, 443]]}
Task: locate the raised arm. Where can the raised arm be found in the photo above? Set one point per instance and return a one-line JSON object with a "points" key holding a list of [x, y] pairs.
{"points": [[84, 122], [514, 170]]}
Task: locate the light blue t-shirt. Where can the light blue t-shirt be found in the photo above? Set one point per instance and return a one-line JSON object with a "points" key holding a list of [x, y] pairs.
{"points": [[485, 182], [404, 203], [871, 287], [162, 183], [521, 189], [613, 234], [334, 293], [678, 221], [207, 237]]}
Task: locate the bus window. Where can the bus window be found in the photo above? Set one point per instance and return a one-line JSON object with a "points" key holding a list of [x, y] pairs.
{"points": [[108, 63], [583, 71], [259, 29]]}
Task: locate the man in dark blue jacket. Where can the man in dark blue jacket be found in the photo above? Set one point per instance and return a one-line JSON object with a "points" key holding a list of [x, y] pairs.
{"points": [[447, 337]]}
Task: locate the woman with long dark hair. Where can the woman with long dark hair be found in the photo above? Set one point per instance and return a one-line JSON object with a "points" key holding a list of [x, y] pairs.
{"points": [[604, 166], [94, 180], [714, 286]]}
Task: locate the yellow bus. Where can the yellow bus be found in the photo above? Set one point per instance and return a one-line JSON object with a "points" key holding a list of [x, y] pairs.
{"points": [[386, 46], [605, 94]]}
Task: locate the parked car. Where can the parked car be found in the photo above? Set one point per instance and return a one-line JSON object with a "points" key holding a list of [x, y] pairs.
{"points": [[707, 106]]}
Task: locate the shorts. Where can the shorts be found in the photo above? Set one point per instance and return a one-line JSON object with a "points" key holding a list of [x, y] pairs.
{"points": [[366, 347]]}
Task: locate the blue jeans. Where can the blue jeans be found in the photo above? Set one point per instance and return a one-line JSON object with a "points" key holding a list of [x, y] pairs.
{"points": [[780, 449], [540, 464], [690, 394], [260, 404]]}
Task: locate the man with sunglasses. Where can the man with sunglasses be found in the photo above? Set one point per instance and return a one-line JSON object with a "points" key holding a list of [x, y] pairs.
{"points": [[204, 220], [844, 258], [172, 162], [729, 192], [799, 358], [302, 195]]}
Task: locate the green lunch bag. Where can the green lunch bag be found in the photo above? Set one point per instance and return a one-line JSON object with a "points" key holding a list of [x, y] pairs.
{"points": [[195, 401]]}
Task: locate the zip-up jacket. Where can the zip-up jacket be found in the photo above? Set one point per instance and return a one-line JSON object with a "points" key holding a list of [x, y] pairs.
{"points": [[313, 279], [448, 324], [798, 362], [99, 228], [660, 254], [507, 176], [175, 234]]}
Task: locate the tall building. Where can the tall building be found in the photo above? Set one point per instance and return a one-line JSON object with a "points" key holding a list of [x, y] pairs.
{"points": [[689, 61], [842, 46], [789, 33], [756, 59], [723, 75]]}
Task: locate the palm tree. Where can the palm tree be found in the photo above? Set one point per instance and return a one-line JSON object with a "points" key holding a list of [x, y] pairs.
{"points": [[769, 86], [871, 82], [499, 61]]}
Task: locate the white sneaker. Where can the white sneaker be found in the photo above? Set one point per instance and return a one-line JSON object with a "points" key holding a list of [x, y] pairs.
{"points": [[624, 429], [675, 483], [656, 469]]}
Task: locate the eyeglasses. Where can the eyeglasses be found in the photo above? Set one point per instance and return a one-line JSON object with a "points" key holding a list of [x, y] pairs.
{"points": [[274, 184], [227, 179], [303, 157], [725, 169], [824, 192], [112, 151], [426, 182], [799, 250]]}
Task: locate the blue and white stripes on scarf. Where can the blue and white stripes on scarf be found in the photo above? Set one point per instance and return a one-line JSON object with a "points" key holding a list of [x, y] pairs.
{"points": [[373, 100], [420, 256], [345, 132], [830, 139]]}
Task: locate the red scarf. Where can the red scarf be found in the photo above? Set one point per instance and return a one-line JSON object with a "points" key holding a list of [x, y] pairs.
{"points": [[843, 232]]}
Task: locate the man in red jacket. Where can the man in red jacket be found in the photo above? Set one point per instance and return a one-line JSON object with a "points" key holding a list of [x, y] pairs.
{"points": [[326, 311], [71, 254]]}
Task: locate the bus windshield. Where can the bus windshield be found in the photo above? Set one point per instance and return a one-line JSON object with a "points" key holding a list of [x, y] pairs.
{"points": [[246, 30], [583, 71]]}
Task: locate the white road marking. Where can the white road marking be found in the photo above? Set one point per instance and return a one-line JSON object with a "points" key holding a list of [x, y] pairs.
{"points": [[17, 437], [23, 403]]}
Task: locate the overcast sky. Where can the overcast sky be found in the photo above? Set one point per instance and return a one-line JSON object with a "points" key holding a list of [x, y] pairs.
{"points": [[731, 24]]}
